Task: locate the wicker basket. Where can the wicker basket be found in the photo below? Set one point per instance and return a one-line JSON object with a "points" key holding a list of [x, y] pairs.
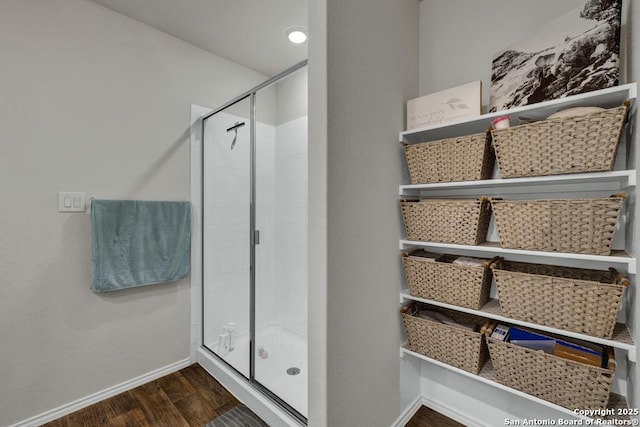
{"points": [[564, 382], [572, 299], [454, 346], [435, 277], [466, 158], [584, 226], [462, 221], [568, 145]]}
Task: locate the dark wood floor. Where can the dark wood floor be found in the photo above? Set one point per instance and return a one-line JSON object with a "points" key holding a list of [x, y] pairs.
{"points": [[427, 417], [189, 397]]}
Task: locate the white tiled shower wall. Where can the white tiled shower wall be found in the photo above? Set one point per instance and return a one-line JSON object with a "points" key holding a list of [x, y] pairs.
{"points": [[281, 217], [291, 225]]}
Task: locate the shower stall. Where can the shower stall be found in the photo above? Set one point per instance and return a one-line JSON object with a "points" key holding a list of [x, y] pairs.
{"points": [[254, 238]]}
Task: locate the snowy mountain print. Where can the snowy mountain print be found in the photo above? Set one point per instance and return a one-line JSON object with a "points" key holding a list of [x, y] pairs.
{"points": [[578, 52]]}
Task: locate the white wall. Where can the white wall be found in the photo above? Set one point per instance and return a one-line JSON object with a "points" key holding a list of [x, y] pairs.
{"points": [[95, 102], [371, 66], [317, 298], [292, 96]]}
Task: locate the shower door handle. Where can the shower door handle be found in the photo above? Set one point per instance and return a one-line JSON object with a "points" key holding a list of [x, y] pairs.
{"points": [[256, 237]]}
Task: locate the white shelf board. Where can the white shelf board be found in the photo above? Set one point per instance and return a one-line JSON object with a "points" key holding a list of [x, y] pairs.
{"points": [[487, 376], [606, 98], [621, 337], [617, 257], [610, 181]]}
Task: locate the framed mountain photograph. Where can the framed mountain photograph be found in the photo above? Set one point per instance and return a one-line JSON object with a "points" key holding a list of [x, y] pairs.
{"points": [[577, 52]]}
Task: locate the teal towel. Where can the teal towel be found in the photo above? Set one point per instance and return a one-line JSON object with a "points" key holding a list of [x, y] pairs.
{"points": [[138, 243]]}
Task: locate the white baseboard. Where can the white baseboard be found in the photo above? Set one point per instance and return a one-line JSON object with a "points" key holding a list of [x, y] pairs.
{"points": [[452, 413], [408, 413], [76, 405], [455, 415]]}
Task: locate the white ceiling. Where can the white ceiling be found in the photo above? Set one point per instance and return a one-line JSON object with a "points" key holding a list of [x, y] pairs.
{"points": [[248, 32]]}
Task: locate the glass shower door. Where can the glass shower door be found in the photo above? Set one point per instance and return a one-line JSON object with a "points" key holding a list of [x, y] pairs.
{"points": [[280, 352], [227, 226], [254, 238]]}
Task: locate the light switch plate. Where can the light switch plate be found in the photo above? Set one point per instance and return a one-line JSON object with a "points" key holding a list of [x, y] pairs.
{"points": [[71, 202]]}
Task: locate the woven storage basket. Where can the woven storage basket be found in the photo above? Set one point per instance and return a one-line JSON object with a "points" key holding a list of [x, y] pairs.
{"points": [[435, 277], [462, 221], [564, 382], [585, 143], [454, 346], [583, 226], [572, 299], [466, 158]]}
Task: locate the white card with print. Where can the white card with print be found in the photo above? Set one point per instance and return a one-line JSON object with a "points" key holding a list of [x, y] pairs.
{"points": [[447, 106]]}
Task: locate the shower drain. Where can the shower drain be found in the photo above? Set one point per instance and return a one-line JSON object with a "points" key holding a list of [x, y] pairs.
{"points": [[293, 371]]}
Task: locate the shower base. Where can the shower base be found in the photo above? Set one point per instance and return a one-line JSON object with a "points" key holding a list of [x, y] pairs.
{"points": [[282, 349]]}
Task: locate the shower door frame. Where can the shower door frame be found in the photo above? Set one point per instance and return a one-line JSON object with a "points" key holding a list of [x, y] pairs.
{"points": [[251, 94]]}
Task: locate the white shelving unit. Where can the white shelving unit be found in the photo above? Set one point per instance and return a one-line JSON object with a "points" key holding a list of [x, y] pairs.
{"points": [[623, 178], [487, 376]]}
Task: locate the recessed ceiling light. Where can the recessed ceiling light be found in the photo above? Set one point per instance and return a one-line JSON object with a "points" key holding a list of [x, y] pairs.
{"points": [[297, 35]]}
